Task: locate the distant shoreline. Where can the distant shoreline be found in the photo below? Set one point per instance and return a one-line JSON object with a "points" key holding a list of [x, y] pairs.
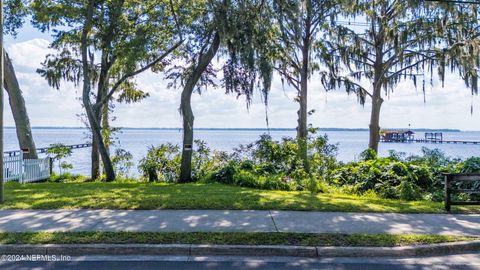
{"points": [[258, 129]]}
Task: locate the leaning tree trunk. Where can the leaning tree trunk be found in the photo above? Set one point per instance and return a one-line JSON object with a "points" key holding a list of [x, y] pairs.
{"points": [[97, 135], [375, 118], [95, 148], [95, 172], [19, 111], [186, 109]]}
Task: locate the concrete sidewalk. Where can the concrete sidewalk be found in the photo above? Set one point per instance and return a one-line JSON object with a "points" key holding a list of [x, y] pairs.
{"points": [[236, 221]]}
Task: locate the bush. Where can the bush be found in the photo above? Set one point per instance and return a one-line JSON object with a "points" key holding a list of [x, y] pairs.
{"points": [[279, 160], [368, 154], [224, 175], [162, 163], [398, 176], [408, 191], [275, 183], [245, 179], [471, 165], [122, 162]]}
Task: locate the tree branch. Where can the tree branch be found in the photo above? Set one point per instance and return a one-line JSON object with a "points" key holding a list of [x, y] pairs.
{"points": [[136, 72]]}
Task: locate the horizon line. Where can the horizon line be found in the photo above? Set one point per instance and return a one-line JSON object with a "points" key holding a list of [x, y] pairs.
{"points": [[242, 128]]}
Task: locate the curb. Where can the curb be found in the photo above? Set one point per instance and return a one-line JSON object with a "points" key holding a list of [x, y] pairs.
{"points": [[238, 250]]}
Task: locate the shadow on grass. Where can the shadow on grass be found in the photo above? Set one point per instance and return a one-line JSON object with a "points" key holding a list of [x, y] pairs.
{"points": [[198, 196]]}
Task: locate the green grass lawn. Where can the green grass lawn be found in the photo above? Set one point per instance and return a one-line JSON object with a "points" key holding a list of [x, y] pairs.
{"points": [[300, 239], [198, 196]]}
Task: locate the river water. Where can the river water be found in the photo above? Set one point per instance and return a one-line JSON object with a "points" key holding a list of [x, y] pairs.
{"points": [[136, 141]]}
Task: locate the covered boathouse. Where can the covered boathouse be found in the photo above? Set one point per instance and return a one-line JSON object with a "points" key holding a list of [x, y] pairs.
{"points": [[397, 136]]}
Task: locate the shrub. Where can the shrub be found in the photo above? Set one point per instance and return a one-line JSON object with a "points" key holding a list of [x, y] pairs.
{"points": [[408, 191], [224, 175], [275, 182], [162, 163], [245, 179], [280, 160], [398, 176], [368, 154], [122, 162], [67, 178], [471, 165]]}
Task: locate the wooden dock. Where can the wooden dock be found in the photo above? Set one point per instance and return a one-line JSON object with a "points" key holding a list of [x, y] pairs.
{"points": [[430, 137], [446, 141], [432, 141], [45, 149]]}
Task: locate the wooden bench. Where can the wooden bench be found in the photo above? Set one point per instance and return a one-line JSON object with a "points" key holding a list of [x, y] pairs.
{"points": [[450, 179]]}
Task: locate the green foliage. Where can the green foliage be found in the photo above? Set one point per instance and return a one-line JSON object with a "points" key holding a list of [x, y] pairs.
{"points": [[201, 161], [122, 162], [67, 178], [269, 164], [58, 152], [15, 12], [162, 163], [396, 176], [223, 175], [368, 154], [471, 165]]}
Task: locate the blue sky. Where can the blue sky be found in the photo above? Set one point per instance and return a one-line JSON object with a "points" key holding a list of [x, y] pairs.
{"points": [[447, 107]]}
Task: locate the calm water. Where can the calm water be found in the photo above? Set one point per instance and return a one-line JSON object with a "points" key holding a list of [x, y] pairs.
{"points": [[351, 143]]}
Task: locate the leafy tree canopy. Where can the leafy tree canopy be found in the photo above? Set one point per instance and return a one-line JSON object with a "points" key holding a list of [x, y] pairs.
{"points": [[127, 36]]}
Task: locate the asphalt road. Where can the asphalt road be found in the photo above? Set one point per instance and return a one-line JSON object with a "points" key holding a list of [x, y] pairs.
{"points": [[463, 261]]}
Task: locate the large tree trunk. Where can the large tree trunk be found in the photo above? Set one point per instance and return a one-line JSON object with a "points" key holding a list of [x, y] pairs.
{"points": [[302, 131], [95, 147], [375, 119], [187, 114], [19, 111], [186, 109], [98, 112], [378, 80], [95, 173]]}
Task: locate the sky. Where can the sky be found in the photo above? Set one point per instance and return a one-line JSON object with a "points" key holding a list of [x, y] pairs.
{"points": [[445, 107]]}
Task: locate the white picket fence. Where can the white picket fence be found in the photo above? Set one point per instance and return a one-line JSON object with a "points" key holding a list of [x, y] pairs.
{"points": [[15, 168]]}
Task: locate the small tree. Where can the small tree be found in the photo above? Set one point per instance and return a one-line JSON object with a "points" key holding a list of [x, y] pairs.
{"points": [[58, 152]]}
